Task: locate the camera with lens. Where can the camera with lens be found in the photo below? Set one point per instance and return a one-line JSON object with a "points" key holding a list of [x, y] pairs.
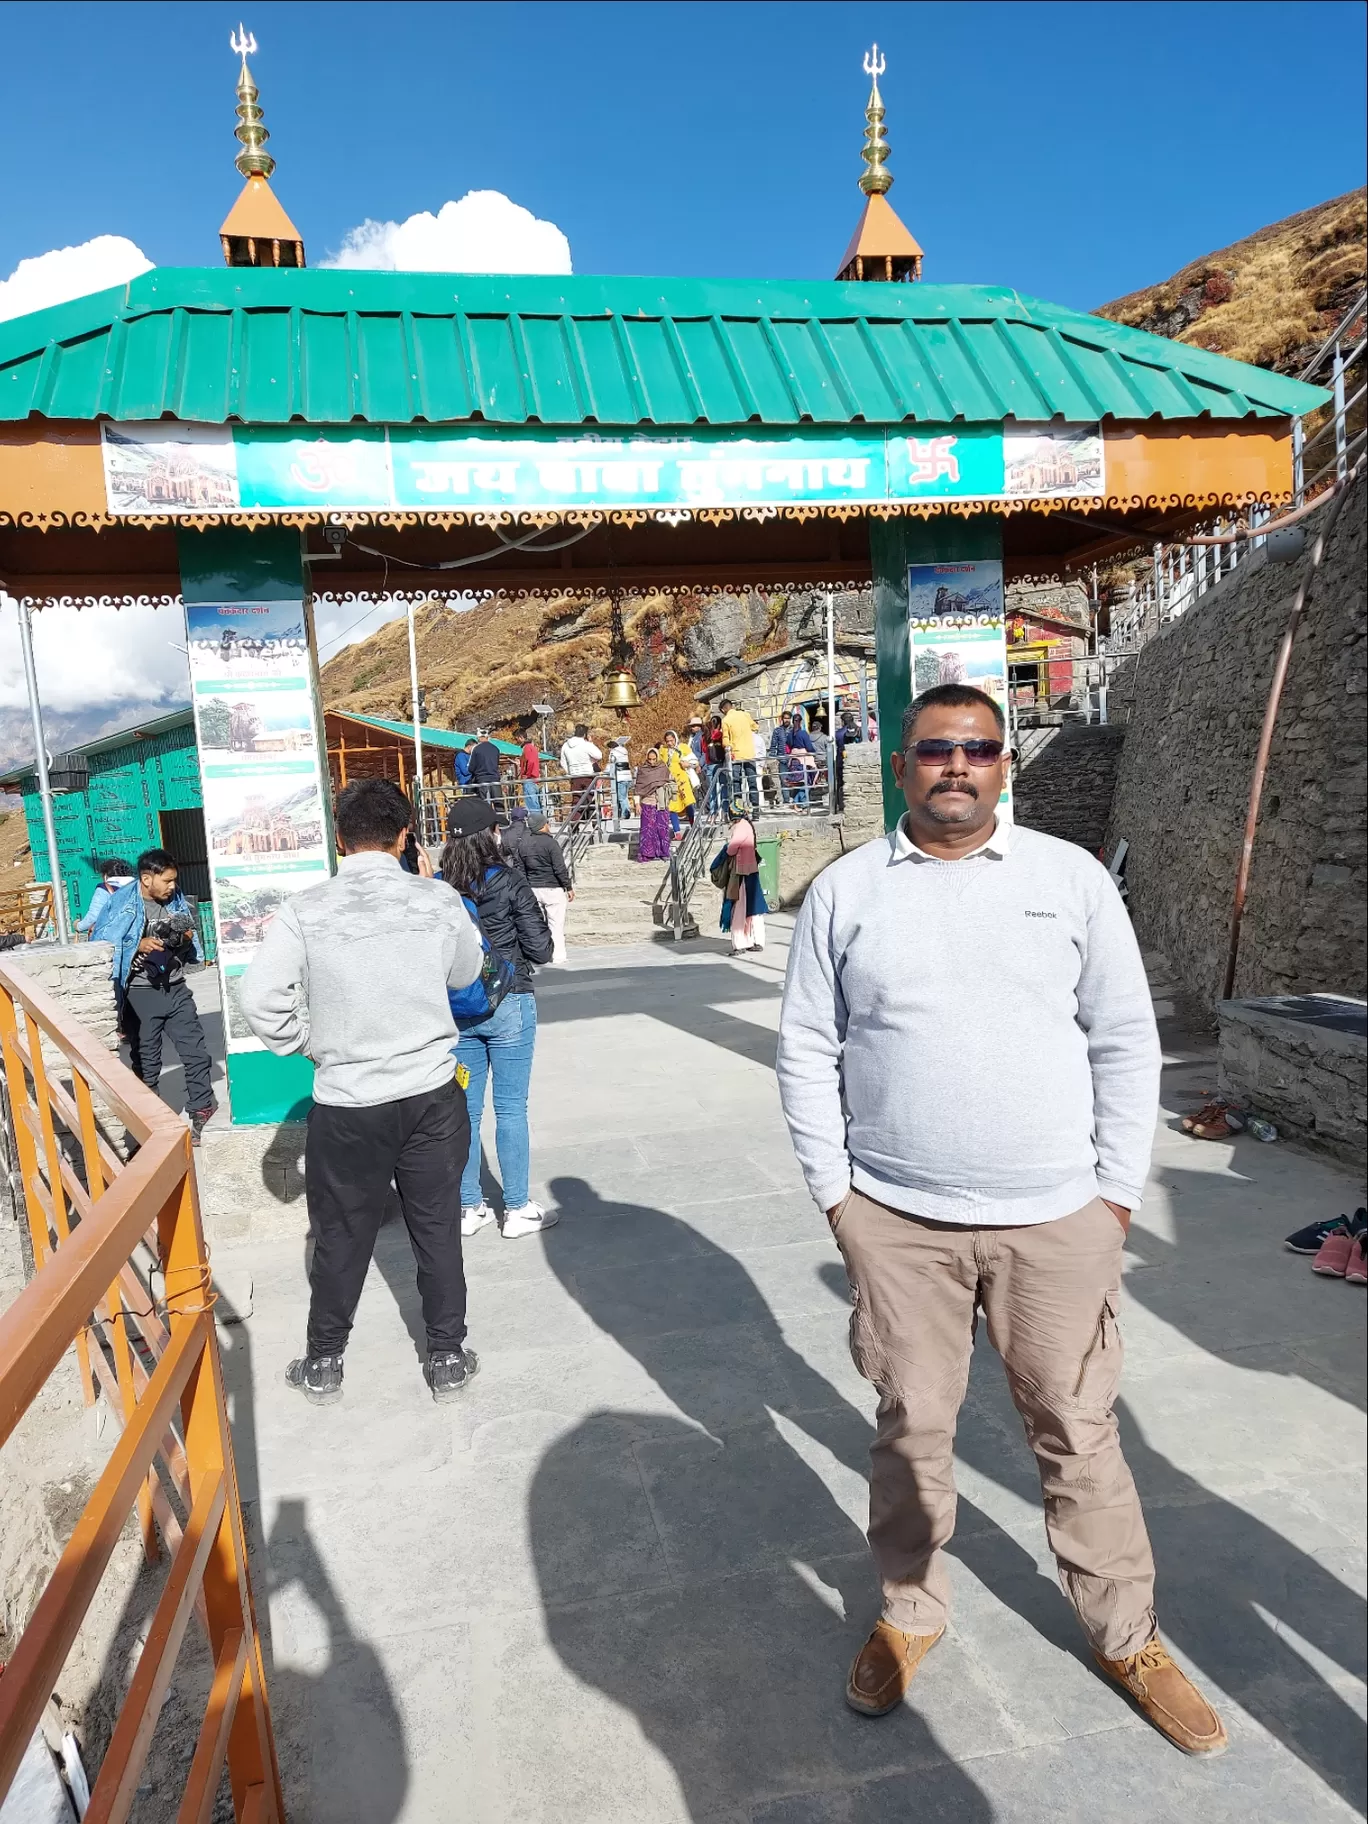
{"points": [[176, 935]]}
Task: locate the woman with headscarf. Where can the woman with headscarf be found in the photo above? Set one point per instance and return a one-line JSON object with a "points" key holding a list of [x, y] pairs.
{"points": [[652, 788], [743, 899], [682, 796]]}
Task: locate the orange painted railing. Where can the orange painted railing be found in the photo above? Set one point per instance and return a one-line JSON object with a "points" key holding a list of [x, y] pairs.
{"points": [[122, 1273], [27, 910]]}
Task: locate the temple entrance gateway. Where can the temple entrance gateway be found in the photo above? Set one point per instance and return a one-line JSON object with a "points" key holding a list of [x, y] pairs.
{"points": [[233, 441]]}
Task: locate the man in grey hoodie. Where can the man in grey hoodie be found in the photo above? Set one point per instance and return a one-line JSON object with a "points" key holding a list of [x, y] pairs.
{"points": [[969, 1068], [354, 974]]}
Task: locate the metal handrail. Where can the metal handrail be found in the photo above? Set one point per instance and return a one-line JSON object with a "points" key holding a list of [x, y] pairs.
{"points": [[1183, 571], [586, 825], [670, 905], [123, 1273]]}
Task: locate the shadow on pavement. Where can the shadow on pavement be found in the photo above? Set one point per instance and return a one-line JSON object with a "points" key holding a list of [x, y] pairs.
{"points": [[696, 1006], [339, 1732], [735, 1672]]}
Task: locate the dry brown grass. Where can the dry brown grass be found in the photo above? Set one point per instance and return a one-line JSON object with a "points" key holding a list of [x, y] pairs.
{"points": [[1270, 299]]}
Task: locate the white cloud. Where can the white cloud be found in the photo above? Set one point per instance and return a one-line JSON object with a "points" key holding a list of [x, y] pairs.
{"points": [[70, 272], [99, 669], [484, 232]]}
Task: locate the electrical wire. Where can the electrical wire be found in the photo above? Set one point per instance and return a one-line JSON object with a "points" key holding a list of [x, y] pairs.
{"points": [[456, 563]]}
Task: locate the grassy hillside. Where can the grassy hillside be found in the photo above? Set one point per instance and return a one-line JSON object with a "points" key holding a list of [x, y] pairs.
{"points": [[1272, 298]]}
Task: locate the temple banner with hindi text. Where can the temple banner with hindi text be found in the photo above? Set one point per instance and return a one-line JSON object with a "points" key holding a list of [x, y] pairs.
{"points": [[183, 469]]}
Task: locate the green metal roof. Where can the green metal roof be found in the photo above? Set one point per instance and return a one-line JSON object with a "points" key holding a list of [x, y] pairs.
{"points": [[432, 737], [323, 347]]}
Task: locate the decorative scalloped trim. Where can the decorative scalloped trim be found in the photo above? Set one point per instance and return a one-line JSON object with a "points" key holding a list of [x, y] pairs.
{"points": [[547, 592], [448, 518]]}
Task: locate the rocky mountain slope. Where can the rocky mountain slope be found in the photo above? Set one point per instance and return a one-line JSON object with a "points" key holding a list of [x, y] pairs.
{"points": [[1272, 298], [487, 666]]}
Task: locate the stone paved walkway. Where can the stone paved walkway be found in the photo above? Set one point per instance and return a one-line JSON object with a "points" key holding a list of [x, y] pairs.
{"points": [[621, 1582]]}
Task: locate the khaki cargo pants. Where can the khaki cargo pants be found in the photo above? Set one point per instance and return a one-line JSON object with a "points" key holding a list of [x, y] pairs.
{"points": [[1049, 1294]]}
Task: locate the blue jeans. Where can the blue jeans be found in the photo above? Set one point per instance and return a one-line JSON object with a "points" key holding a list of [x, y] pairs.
{"points": [[622, 797], [743, 779], [503, 1044], [532, 795]]}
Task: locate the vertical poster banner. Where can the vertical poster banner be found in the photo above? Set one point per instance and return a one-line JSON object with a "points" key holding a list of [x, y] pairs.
{"points": [[265, 796], [958, 633]]}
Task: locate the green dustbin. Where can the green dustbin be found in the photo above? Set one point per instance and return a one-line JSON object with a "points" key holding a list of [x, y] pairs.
{"points": [[767, 854]]}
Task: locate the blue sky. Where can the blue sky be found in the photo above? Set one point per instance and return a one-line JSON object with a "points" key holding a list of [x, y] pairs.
{"points": [[1074, 151]]}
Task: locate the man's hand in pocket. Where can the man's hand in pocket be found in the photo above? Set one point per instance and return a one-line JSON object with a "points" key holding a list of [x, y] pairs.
{"points": [[1121, 1213]]}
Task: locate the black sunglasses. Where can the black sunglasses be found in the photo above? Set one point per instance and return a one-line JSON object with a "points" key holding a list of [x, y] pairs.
{"points": [[936, 751]]}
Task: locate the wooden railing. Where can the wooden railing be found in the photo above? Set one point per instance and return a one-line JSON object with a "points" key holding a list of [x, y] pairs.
{"points": [[122, 1273], [27, 911]]}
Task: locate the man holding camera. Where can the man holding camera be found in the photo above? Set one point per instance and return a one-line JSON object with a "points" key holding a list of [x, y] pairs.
{"points": [[152, 928]]}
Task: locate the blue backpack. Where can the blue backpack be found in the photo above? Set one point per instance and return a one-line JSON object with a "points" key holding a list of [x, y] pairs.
{"points": [[479, 999]]}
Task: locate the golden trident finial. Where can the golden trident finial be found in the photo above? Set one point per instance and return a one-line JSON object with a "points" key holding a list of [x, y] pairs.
{"points": [[875, 180], [254, 160]]}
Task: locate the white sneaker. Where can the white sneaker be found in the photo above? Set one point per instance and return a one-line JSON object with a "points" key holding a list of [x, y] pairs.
{"points": [[473, 1220], [529, 1220]]}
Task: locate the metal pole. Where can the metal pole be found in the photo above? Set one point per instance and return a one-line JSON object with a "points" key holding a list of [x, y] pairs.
{"points": [[1341, 432], [831, 667], [59, 908], [417, 722]]}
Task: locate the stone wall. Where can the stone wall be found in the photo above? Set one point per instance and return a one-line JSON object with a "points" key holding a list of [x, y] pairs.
{"points": [[77, 977], [803, 853], [1066, 780], [1308, 1074], [1199, 695]]}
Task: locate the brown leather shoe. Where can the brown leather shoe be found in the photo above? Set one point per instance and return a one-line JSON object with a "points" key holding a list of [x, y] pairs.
{"points": [[884, 1667], [1168, 1697]]}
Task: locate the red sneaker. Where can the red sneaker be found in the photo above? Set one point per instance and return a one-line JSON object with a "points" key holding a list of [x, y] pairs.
{"points": [[1335, 1254], [1357, 1271]]}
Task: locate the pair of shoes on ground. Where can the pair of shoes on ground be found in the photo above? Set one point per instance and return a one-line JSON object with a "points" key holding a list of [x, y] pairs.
{"points": [[448, 1372], [1338, 1244], [889, 1660], [1209, 1122], [526, 1219]]}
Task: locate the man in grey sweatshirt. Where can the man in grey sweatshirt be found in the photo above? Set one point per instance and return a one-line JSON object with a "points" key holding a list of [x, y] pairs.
{"points": [[354, 974], [969, 1068]]}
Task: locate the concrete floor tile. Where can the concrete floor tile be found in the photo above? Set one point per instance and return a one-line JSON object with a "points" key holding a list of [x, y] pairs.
{"points": [[377, 1732], [460, 1543], [739, 1502]]}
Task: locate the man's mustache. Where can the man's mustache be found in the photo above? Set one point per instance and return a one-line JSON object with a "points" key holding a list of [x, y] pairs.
{"points": [[953, 785]]}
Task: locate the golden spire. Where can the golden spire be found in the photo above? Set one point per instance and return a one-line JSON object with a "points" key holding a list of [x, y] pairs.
{"points": [[257, 232], [875, 180], [253, 160], [880, 248]]}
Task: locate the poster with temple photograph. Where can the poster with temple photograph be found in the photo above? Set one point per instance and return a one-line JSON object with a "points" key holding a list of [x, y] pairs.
{"points": [[1050, 464], [249, 900], [262, 720], [163, 468], [257, 819], [958, 635]]}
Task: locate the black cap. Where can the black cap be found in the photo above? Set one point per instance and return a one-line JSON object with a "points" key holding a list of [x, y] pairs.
{"points": [[469, 816]]}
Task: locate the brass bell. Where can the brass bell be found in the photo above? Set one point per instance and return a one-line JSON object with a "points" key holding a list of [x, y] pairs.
{"points": [[621, 691]]}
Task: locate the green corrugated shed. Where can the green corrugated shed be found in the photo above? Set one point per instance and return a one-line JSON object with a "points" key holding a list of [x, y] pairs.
{"points": [[432, 737], [135, 775], [321, 347]]}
